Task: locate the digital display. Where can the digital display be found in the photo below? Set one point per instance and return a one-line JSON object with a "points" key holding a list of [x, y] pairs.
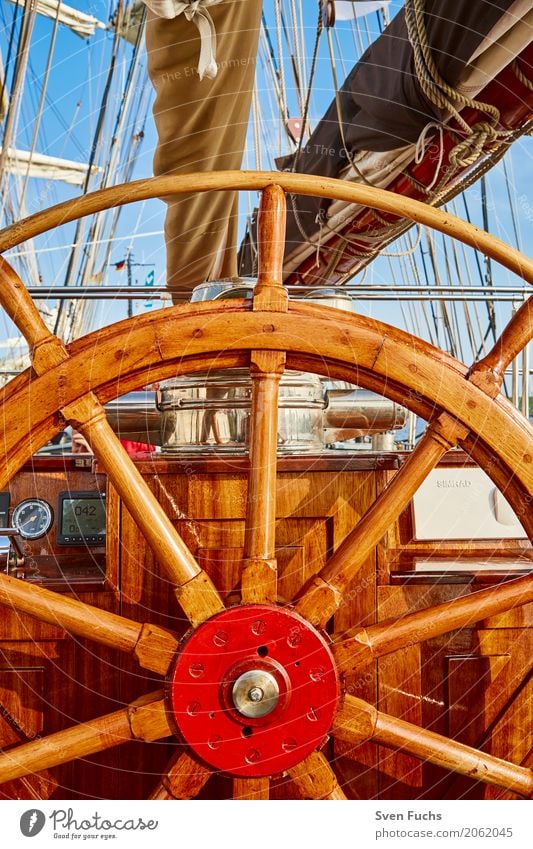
{"points": [[82, 518], [4, 509]]}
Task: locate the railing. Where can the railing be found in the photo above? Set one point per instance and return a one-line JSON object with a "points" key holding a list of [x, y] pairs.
{"points": [[371, 292]]}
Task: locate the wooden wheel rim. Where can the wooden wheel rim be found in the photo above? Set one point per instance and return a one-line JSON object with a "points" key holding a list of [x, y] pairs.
{"points": [[303, 184], [426, 380]]}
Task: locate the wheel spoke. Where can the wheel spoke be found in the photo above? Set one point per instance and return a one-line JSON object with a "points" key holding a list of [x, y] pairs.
{"points": [[358, 721], [183, 779], [315, 779], [144, 719], [259, 575], [45, 348], [251, 788], [153, 647], [269, 292], [194, 589], [324, 595], [361, 646], [489, 372], [258, 581]]}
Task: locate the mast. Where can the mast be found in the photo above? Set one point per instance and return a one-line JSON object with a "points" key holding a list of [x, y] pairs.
{"points": [[132, 86], [21, 64]]}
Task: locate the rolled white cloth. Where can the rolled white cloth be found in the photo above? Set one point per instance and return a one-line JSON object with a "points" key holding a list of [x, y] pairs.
{"points": [[196, 12]]}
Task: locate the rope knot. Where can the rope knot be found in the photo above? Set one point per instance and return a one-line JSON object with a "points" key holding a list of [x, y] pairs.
{"points": [[483, 138]]}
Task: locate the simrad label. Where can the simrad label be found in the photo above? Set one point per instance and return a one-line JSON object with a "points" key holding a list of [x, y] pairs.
{"points": [[463, 504]]}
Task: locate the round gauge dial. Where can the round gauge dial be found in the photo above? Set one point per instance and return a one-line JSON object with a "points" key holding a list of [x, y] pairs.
{"points": [[33, 518]]}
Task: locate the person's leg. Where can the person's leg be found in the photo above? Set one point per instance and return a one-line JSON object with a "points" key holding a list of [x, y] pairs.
{"points": [[201, 126]]}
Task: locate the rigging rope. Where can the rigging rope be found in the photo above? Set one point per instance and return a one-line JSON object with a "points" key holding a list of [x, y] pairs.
{"points": [[11, 121], [319, 28], [95, 148], [299, 47], [484, 136], [111, 171], [519, 74], [436, 89], [275, 71], [511, 203], [3, 81], [340, 120], [283, 87], [294, 60], [305, 116], [21, 62], [416, 276], [454, 324], [466, 310], [41, 103]]}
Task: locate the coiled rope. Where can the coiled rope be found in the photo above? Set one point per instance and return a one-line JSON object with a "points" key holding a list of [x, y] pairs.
{"points": [[480, 138]]}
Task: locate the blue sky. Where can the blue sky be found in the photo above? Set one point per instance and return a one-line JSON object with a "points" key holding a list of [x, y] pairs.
{"points": [[70, 117]]}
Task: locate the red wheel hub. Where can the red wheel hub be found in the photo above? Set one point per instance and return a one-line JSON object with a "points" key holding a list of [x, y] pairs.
{"points": [[254, 690]]}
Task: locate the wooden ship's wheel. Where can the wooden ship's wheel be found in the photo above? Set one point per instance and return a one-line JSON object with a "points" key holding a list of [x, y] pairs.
{"points": [[255, 690]]}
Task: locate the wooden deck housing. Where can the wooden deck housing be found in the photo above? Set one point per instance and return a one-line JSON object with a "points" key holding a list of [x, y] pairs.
{"points": [[471, 684]]}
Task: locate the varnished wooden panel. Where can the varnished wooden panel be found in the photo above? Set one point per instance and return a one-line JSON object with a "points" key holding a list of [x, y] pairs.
{"points": [[21, 705], [489, 703], [22, 716]]}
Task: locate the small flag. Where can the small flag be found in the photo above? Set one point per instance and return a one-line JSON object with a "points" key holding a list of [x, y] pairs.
{"points": [[150, 278], [120, 265]]}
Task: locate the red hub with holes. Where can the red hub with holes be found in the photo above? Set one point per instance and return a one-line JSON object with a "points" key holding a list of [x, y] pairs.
{"points": [[254, 690]]}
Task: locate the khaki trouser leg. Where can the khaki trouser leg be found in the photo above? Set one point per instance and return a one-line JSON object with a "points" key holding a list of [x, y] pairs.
{"points": [[202, 127]]}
